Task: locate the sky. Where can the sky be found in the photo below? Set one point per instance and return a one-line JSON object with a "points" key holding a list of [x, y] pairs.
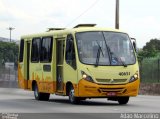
{"points": [[139, 18]]}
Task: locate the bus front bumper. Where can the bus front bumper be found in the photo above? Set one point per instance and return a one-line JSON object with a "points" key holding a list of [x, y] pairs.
{"points": [[89, 89]]}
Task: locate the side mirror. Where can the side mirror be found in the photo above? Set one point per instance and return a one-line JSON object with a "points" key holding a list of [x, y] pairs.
{"points": [[133, 40]]}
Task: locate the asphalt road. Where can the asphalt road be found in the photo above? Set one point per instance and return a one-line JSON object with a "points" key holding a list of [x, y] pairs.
{"points": [[21, 101]]}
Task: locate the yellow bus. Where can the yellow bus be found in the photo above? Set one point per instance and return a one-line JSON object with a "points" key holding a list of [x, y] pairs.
{"points": [[82, 62]]}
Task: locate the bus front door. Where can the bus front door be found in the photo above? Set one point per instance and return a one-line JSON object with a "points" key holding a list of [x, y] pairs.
{"points": [[59, 65]]}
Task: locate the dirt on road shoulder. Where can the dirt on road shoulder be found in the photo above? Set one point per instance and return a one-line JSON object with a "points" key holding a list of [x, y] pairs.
{"points": [[149, 89]]}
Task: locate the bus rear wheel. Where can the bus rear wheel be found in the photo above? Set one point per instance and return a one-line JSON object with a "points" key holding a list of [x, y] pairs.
{"points": [[40, 96], [72, 98], [123, 100]]}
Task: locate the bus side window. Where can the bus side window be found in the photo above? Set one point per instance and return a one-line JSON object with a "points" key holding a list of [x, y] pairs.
{"points": [[21, 51], [46, 49], [35, 50], [70, 52]]}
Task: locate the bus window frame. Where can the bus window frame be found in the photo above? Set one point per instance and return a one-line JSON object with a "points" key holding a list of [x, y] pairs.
{"points": [[51, 57], [21, 52], [104, 31], [73, 62], [39, 50]]}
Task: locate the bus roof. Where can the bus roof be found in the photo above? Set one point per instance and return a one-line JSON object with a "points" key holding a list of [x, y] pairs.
{"points": [[59, 31]]}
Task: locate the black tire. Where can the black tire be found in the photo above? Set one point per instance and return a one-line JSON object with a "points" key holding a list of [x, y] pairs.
{"points": [[40, 96], [82, 98], [123, 100], [72, 98]]}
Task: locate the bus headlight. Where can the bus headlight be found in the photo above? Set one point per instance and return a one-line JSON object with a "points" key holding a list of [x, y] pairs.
{"points": [[133, 78], [86, 77]]}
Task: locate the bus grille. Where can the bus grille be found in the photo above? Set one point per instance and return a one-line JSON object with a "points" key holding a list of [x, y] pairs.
{"points": [[118, 90], [103, 80], [111, 81]]}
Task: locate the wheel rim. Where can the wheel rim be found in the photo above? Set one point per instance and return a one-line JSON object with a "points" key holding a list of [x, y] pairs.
{"points": [[71, 95]]}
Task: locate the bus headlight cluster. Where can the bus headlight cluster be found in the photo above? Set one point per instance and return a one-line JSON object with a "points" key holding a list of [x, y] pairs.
{"points": [[134, 77], [86, 77]]}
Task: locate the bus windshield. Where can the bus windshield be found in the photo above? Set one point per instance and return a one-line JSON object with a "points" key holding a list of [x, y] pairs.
{"points": [[105, 48]]}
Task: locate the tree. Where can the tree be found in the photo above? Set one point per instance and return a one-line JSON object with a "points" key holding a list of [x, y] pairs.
{"points": [[151, 49], [8, 52], [154, 44]]}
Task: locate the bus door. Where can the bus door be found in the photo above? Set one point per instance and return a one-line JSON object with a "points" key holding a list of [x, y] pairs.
{"points": [[27, 63], [24, 64], [59, 64]]}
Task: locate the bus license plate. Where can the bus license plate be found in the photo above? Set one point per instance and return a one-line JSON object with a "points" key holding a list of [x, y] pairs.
{"points": [[111, 93]]}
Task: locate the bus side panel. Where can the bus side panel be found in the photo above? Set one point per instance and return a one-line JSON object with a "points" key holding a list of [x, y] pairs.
{"points": [[70, 75], [42, 73], [22, 79], [45, 82], [47, 86], [22, 83], [43, 78]]}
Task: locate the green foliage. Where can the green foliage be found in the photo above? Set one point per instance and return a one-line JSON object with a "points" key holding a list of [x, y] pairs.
{"points": [[150, 70], [8, 52], [151, 49], [149, 60], [153, 45], [158, 55], [146, 53]]}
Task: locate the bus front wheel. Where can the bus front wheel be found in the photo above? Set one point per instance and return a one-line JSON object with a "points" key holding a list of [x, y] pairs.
{"points": [[40, 96], [123, 100], [72, 98]]}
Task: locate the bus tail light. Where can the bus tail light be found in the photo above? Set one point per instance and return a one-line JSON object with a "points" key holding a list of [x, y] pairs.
{"points": [[86, 77]]}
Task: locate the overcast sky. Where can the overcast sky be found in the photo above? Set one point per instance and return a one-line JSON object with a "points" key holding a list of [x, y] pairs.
{"points": [[139, 18]]}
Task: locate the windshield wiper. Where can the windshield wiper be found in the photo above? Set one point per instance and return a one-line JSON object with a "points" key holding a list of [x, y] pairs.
{"points": [[119, 59], [123, 63], [98, 54], [111, 53]]}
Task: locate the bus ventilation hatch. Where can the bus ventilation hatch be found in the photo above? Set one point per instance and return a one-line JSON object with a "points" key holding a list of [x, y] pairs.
{"points": [[54, 29], [85, 25]]}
